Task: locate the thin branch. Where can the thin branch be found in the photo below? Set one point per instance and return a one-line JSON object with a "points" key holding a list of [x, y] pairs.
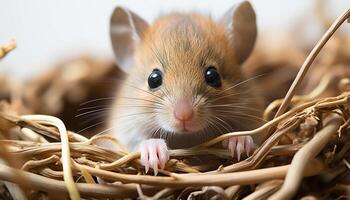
{"points": [[302, 159], [309, 60], [33, 163], [241, 178], [51, 185], [321, 87], [66, 159], [7, 48]]}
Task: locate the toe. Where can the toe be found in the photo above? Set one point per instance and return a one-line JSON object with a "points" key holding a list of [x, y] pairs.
{"points": [[153, 158], [232, 143], [240, 147], [163, 153], [144, 156], [249, 144]]}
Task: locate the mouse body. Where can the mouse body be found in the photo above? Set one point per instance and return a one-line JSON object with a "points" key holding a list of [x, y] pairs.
{"points": [[184, 82]]}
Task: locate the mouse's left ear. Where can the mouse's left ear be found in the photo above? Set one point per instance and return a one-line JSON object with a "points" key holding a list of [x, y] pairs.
{"points": [[126, 31], [240, 21]]}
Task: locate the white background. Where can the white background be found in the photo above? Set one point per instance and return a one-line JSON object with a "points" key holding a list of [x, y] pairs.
{"points": [[47, 31]]}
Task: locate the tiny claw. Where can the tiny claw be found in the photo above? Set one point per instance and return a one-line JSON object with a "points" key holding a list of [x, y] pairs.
{"points": [[146, 168], [240, 147], [249, 144], [232, 145], [238, 154], [155, 169], [163, 155], [162, 162]]}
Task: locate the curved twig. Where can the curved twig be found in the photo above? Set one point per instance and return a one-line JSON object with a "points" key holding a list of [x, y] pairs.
{"points": [[5, 49], [308, 61], [51, 185], [302, 158], [33, 163], [321, 87], [242, 178], [66, 159]]}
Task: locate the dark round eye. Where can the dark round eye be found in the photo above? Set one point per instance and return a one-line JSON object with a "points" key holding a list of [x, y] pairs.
{"points": [[155, 79], [212, 77]]}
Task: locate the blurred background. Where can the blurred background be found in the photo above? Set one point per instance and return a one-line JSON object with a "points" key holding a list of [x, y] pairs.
{"points": [[50, 31]]}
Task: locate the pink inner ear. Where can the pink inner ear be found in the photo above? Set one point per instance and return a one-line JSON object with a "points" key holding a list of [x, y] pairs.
{"points": [[126, 29], [183, 110]]}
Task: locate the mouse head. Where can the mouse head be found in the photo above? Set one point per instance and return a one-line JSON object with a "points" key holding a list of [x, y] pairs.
{"points": [[185, 67]]}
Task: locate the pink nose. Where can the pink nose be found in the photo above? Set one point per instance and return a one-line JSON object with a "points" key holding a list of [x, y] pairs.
{"points": [[183, 111]]}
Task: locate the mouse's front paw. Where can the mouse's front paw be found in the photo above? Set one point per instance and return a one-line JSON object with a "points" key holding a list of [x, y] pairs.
{"points": [[239, 145], [154, 154]]}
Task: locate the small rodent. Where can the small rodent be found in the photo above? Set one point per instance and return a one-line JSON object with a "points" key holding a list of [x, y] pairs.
{"points": [[184, 84]]}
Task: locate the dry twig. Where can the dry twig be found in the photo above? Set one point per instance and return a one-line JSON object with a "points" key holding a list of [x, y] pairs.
{"points": [[5, 49], [309, 60]]}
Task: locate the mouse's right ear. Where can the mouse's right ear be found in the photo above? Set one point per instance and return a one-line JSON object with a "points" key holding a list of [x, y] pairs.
{"points": [[126, 31], [240, 21]]}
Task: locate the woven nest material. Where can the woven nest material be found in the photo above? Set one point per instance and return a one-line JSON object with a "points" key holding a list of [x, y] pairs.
{"points": [[306, 154]]}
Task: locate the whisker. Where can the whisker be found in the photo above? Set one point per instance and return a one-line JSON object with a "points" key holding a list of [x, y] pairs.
{"points": [[89, 127], [214, 125], [139, 106], [94, 117], [139, 99], [242, 82], [252, 116], [233, 106], [247, 117], [92, 111], [163, 134], [235, 112], [95, 100], [228, 128], [140, 89], [228, 95], [104, 131], [155, 132], [134, 114], [92, 107]]}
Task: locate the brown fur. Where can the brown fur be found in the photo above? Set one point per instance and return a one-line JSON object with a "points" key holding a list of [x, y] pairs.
{"points": [[182, 46]]}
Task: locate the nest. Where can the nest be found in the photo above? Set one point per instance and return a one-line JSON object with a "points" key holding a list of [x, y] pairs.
{"points": [[305, 154]]}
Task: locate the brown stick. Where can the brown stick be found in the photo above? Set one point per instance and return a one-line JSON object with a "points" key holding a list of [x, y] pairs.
{"points": [[42, 183], [264, 190], [302, 158], [309, 60], [228, 179], [65, 152], [7, 48], [33, 163]]}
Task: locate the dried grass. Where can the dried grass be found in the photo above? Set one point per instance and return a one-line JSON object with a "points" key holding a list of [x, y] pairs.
{"points": [[310, 140]]}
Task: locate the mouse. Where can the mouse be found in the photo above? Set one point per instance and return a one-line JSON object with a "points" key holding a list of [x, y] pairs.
{"points": [[184, 83]]}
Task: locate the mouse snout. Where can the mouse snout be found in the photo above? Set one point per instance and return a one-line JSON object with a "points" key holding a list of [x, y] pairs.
{"points": [[183, 110]]}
